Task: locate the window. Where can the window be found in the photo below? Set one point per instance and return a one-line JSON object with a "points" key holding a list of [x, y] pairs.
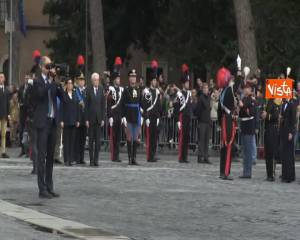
{"points": [[3, 11]]}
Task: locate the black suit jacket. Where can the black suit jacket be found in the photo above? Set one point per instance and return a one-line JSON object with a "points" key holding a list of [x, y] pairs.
{"points": [[40, 90], [4, 103], [95, 106], [69, 109]]}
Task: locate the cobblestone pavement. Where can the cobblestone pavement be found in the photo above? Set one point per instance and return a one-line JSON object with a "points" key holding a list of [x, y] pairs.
{"points": [[162, 201]]}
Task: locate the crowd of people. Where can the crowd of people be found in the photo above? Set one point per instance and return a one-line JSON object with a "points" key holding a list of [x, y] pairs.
{"points": [[51, 116]]}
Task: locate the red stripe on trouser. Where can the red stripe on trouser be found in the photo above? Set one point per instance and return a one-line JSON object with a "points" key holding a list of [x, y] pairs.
{"points": [[180, 138], [111, 143], [147, 132], [228, 145]]}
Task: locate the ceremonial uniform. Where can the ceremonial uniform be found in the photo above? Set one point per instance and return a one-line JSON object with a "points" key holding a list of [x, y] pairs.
{"points": [[81, 131], [287, 147], [114, 111], [183, 113], [151, 106], [151, 112], [114, 114], [131, 105], [271, 137], [226, 111], [247, 116]]}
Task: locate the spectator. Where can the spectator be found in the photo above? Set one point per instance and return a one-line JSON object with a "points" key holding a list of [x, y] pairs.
{"points": [[4, 114], [202, 111], [14, 118], [199, 85], [214, 103]]}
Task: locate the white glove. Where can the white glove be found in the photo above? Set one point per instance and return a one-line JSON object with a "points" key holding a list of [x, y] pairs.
{"points": [[142, 120], [157, 122], [148, 122], [179, 125], [124, 121], [30, 81], [111, 121]]}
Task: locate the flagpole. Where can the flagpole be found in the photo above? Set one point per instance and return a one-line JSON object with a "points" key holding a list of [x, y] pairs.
{"points": [[10, 43]]}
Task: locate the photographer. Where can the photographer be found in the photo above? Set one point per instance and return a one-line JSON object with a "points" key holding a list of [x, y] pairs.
{"points": [[45, 121]]}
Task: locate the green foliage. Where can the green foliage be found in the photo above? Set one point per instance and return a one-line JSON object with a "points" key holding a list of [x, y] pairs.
{"points": [[277, 26], [201, 33]]}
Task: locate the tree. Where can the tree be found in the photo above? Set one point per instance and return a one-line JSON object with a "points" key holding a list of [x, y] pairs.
{"points": [[97, 36], [246, 33]]}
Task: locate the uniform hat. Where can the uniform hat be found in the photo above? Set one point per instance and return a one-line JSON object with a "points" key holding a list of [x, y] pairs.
{"points": [[223, 77], [154, 71], [132, 73], [117, 68], [36, 56], [185, 77]]}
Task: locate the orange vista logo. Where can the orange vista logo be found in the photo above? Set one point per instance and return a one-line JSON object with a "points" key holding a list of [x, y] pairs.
{"points": [[279, 88]]}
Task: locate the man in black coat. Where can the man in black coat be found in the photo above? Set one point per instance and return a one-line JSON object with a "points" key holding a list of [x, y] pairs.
{"points": [[4, 114], [45, 120], [95, 108], [287, 135], [204, 124]]}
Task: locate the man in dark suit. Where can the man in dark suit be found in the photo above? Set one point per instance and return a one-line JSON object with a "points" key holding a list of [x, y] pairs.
{"points": [[45, 120], [4, 114], [95, 109]]}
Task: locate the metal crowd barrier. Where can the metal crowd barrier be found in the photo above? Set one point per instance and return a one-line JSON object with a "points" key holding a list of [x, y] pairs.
{"points": [[168, 134]]}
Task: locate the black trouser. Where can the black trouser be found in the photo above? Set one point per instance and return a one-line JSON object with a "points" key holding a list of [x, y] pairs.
{"points": [[94, 134], [228, 124], [32, 144], [46, 138], [203, 140], [271, 147], [115, 138], [22, 127], [151, 133], [69, 143], [184, 137], [80, 143], [287, 155]]}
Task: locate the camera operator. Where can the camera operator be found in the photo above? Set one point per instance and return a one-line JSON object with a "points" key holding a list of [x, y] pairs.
{"points": [[45, 120]]}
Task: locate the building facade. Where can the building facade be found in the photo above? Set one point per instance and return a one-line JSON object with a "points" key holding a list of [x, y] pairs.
{"points": [[38, 31]]}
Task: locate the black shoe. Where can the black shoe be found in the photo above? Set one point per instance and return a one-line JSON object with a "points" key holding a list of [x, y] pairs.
{"points": [[96, 164], [4, 155], [21, 154], [200, 160], [245, 177], [45, 195], [135, 163], [270, 179], [223, 177], [53, 194], [152, 160], [33, 172], [206, 161], [56, 161], [116, 160]]}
